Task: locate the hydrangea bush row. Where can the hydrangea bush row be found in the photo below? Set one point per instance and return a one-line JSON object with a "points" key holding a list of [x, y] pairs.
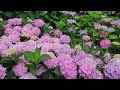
{"points": [[68, 50]]}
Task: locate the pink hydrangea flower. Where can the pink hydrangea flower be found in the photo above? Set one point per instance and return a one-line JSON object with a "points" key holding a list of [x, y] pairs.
{"points": [[2, 72], [29, 26], [97, 53], [3, 47], [11, 22], [55, 40], [39, 41], [105, 44], [87, 69], [18, 21], [28, 76], [36, 31], [7, 31], [65, 49], [89, 44], [17, 28], [38, 23], [56, 47], [67, 66], [102, 35], [20, 69], [41, 70], [86, 38], [51, 63], [107, 57], [7, 26], [98, 61], [64, 39], [46, 39], [57, 33], [46, 47], [14, 33], [15, 21], [5, 53], [14, 38]]}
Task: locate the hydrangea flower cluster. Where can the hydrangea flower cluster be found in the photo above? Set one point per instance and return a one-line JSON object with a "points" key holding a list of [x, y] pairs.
{"points": [[112, 69], [28, 76], [87, 69], [57, 33], [71, 21], [20, 69], [105, 44], [69, 13], [86, 38], [2, 72], [64, 39], [71, 61], [67, 66], [87, 65]]}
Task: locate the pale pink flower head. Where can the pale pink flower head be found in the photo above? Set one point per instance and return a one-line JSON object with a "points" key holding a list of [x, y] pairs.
{"points": [[97, 25], [14, 38], [41, 70], [39, 41], [20, 69], [38, 23], [2, 46], [86, 38], [57, 33], [55, 40], [102, 35], [18, 21], [7, 26], [67, 67], [46, 39], [2, 72], [107, 57], [97, 53], [89, 44], [15, 21], [17, 28], [105, 44], [11, 22], [7, 31], [29, 26], [46, 34], [28, 76], [64, 39], [51, 63], [5, 53], [36, 31], [15, 33]]}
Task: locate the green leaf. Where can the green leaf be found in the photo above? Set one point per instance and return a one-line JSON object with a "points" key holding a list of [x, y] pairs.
{"points": [[113, 36], [8, 14], [46, 25], [37, 54], [119, 35], [51, 76], [19, 55], [30, 65], [57, 71], [29, 56], [44, 57], [116, 43], [9, 74], [33, 70]]}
